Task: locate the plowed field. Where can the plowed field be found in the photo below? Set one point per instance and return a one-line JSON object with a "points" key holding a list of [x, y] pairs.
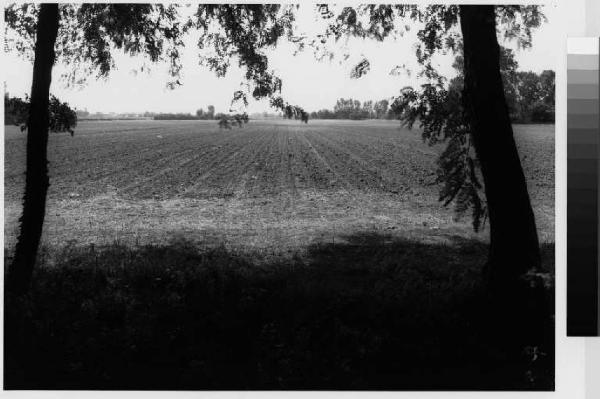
{"points": [[272, 185]]}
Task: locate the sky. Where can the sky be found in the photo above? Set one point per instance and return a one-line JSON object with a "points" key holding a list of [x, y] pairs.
{"points": [[306, 82]]}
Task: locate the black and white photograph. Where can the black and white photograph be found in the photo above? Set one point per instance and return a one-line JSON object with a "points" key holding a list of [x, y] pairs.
{"points": [[355, 197]]}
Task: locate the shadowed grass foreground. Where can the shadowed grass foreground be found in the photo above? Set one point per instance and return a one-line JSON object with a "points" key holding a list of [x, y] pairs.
{"points": [[371, 313]]}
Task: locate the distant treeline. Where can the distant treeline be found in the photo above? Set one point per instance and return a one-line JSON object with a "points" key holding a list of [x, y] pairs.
{"points": [[529, 96], [200, 115], [84, 115], [177, 116], [353, 109]]}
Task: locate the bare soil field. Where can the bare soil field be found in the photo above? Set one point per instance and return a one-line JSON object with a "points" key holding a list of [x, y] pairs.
{"points": [[277, 186], [275, 256]]}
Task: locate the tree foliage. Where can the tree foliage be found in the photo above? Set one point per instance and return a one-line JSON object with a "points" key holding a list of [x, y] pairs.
{"points": [[440, 112], [529, 95], [62, 117], [438, 105], [16, 110], [245, 32], [535, 96], [90, 33], [229, 121]]}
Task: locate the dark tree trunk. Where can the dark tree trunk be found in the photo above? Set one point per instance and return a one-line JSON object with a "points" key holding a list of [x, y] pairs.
{"points": [[36, 179], [514, 247]]}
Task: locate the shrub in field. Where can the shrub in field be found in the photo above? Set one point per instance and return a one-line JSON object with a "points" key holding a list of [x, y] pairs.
{"points": [[62, 117], [15, 110], [228, 121]]}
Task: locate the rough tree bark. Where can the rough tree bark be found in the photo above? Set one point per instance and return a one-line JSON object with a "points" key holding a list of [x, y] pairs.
{"points": [[514, 246], [36, 175]]}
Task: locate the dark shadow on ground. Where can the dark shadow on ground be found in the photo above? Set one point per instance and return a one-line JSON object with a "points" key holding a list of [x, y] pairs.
{"points": [[370, 313]]}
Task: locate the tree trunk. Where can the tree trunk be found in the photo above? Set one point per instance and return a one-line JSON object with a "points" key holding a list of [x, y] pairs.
{"points": [[514, 247], [36, 175]]}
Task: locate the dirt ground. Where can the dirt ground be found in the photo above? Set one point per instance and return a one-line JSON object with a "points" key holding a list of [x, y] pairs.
{"points": [[273, 187]]}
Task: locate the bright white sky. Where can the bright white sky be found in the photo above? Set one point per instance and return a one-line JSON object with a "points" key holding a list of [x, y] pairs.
{"points": [[306, 82]]}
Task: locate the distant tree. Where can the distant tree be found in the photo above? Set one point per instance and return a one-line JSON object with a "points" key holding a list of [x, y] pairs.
{"points": [[381, 109], [368, 109], [510, 78], [211, 112], [528, 90], [82, 113], [200, 113], [351, 109], [536, 96], [548, 89], [343, 108], [323, 114]]}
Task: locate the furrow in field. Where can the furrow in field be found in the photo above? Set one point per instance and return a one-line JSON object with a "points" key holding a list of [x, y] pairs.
{"points": [[123, 161], [252, 165], [265, 179], [323, 157], [287, 155], [124, 173], [339, 161], [371, 177], [176, 177], [311, 179], [186, 150], [399, 151], [218, 175], [147, 184], [384, 171], [255, 146], [246, 171], [108, 164], [311, 172]]}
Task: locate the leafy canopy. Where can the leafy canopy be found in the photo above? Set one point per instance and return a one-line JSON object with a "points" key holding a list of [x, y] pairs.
{"points": [[90, 33], [62, 117]]}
